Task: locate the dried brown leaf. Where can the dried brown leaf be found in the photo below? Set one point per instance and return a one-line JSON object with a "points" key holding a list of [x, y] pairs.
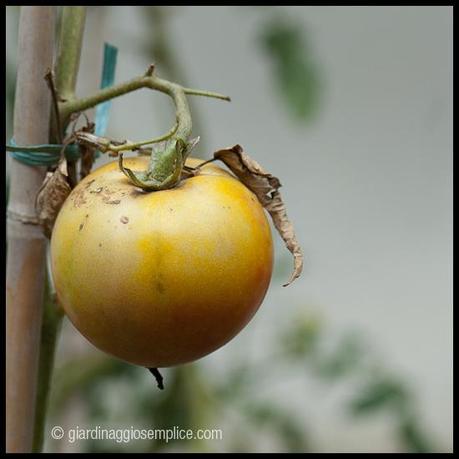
{"points": [[87, 153], [266, 187], [87, 160], [51, 196]]}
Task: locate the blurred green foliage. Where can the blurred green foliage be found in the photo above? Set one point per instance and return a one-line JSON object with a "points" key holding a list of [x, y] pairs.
{"points": [[379, 394], [281, 422], [294, 67], [377, 389], [388, 393], [193, 399]]}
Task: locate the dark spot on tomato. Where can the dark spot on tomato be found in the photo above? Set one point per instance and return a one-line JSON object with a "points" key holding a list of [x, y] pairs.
{"points": [[160, 287], [107, 196], [136, 192], [90, 183], [124, 219], [79, 198]]}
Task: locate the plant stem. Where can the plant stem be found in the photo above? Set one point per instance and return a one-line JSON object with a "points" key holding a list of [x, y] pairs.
{"points": [[137, 145], [198, 92], [145, 81], [52, 320], [70, 41], [55, 118], [67, 64], [164, 170], [104, 144], [26, 242]]}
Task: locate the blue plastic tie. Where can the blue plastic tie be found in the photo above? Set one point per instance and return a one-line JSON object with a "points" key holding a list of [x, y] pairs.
{"points": [[49, 154], [42, 155], [107, 80]]}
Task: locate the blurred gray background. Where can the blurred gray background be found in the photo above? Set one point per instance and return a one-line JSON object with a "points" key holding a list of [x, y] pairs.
{"points": [[367, 181]]}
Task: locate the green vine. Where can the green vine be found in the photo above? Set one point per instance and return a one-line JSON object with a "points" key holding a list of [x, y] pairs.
{"points": [[66, 69]]}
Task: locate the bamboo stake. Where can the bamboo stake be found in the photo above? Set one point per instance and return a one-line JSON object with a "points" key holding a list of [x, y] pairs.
{"points": [[26, 243]]}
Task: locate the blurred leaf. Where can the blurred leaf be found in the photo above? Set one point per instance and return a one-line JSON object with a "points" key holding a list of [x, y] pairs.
{"points": [[295, 70], [412, 438], [378, 395], [80, 374], [236, 382], [302, 338], [347, 357], [288, 429]]}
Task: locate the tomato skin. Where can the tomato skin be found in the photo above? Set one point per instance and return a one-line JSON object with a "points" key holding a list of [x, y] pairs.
{"points": [[162, 278]]}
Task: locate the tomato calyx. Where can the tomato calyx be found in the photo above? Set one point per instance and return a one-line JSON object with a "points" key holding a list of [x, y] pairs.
{"points": [[165, 167]]}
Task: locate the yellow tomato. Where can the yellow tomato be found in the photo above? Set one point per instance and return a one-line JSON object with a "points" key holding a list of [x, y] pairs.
{"points": [[161, 278]]}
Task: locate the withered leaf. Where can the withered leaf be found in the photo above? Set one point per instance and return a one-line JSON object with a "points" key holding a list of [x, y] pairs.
{"points": [[266, 187], [88, 138], [87, 160], [87, 153], [51, 196]]}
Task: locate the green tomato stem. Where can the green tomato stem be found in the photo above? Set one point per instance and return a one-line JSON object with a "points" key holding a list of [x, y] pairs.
{"points": [[165, 167], [137, 145], [70, 43], [66, 70]]}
